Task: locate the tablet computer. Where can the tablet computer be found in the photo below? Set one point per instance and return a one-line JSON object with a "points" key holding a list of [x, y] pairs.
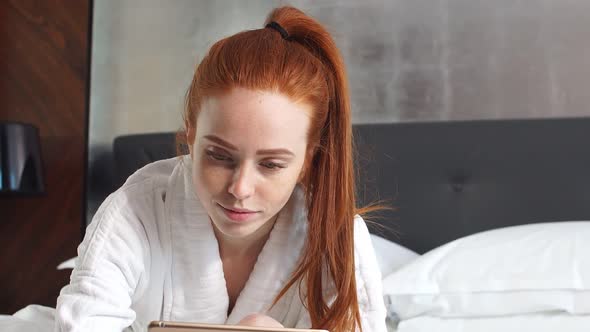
{"points": [[164, 326]]}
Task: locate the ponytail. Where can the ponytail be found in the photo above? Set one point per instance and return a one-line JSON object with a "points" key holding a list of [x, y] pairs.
{"points": [[330, 191]]}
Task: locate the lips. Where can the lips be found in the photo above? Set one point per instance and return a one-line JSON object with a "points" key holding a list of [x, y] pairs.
{"points": [[237, 214], [239, 210]]}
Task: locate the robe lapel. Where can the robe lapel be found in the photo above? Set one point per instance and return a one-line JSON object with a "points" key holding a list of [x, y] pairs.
{"points": [[197, 285]]}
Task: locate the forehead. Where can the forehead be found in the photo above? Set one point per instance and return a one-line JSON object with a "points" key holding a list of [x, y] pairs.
{"points": [[260, 119]]}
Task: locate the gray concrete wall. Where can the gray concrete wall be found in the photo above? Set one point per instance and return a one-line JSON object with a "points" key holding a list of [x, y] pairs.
{"points": [[408, 60]]}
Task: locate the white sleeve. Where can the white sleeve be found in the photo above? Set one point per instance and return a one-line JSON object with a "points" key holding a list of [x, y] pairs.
{"points": [[368, 280], [111, 264]]}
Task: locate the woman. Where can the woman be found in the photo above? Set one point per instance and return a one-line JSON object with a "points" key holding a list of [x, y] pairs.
{"points": [[256, 225]]}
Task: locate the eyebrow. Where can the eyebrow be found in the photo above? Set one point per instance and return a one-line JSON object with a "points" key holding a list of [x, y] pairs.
{"points": [[230, 146]]}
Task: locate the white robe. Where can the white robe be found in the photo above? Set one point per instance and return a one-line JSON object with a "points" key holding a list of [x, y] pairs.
{"points": [[150, 254]]}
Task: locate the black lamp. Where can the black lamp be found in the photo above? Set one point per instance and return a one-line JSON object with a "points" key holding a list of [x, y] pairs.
{"points": [[21, 170]]}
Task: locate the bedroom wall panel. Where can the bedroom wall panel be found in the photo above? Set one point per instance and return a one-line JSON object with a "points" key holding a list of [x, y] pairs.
{"points": [[44, 71]]}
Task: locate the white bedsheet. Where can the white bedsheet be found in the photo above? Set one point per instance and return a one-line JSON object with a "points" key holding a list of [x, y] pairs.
{"points": [[548, 322], [33, 318]]}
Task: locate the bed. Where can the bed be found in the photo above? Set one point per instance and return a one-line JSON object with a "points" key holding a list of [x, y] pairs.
{"points": [[490, 205], [459, 178], [490, 228]]}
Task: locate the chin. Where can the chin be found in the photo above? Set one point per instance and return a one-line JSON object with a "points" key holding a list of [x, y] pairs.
{"points": [[235, 230], [243, 229]]}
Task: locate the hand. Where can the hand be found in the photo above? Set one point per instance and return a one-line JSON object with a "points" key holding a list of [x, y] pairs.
{"points": [[259, 320]]}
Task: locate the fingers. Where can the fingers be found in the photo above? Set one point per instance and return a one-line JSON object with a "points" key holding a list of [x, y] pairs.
{"points": [[259, 320]]}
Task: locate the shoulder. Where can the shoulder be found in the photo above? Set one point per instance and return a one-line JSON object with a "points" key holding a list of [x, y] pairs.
{"points": [[145, 183], [368, 273], [361, 231], [366, 263], [135, 205], [363, 245], [157, 171]]}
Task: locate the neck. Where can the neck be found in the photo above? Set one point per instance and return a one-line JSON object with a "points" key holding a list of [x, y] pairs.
{"points": [[249, 246]]}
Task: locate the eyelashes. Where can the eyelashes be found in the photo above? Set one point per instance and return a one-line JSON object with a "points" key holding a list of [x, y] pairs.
{"points": [[271, 165], [217, 156], [222, 158]]}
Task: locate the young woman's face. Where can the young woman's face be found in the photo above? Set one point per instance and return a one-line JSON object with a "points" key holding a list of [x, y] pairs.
{"points": [[248, 154]]}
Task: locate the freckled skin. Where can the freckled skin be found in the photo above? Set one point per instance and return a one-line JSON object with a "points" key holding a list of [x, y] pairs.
{"points": [[249, 120]]}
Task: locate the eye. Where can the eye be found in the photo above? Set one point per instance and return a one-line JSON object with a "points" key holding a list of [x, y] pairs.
{"points": [[218, 156], [271, 166]]}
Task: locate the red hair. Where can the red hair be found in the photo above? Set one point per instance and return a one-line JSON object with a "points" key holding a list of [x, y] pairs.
{"points": [[307, 68]]}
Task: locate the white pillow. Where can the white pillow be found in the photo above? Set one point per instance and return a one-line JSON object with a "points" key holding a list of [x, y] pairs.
{"points": [[69, 264], [515, 270], [390, 255], [542, 322]]}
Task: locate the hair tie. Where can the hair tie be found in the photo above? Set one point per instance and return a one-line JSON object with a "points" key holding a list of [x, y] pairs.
{"points": [[274, 25]]}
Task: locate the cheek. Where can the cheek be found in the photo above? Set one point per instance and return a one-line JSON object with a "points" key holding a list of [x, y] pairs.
{"points": [[278, 190], [279, 196], [209, 181]]}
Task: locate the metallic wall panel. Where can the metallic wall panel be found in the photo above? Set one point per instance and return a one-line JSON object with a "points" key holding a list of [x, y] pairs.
{"points": [[407, 60]]}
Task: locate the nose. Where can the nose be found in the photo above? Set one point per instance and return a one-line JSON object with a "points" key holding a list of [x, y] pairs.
{"points": [[243, 183]]}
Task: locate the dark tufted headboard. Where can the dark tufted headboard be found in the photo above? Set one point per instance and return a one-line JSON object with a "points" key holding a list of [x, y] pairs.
{"points": [[449, 179]]}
